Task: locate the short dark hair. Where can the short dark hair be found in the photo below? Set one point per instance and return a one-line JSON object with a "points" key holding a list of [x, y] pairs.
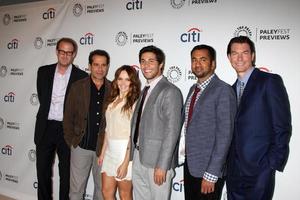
{"points": [[99, 52], [68, 40], [159, 54], [242, 39], [211, 50]]}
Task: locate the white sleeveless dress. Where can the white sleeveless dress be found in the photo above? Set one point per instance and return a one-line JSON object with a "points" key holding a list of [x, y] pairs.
{"points": [[118, 132]]}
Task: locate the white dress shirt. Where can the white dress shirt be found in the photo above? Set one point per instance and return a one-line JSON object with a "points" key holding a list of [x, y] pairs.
{"points": [[59, 89]]}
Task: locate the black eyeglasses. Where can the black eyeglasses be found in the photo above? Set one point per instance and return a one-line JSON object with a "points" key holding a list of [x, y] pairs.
{"points": [[62, 52]]}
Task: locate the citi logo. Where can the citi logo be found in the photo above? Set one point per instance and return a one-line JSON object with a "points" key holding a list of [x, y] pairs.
{"points": [[14, 44], [35, 184], [7, 150], [87, 39], [193, 35], [10, 97], [134, 5], [49, 14], [178, 186]]}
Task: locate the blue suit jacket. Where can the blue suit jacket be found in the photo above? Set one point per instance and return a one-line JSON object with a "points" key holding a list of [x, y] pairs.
{"points": [[210, 130], [262, 126]]}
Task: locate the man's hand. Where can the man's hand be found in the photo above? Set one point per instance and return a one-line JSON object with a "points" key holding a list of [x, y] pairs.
{"points": [[159, 176], [207, 187]]}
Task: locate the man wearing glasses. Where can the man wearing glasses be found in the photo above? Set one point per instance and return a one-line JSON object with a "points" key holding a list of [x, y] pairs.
{"points": [[53, 83]]}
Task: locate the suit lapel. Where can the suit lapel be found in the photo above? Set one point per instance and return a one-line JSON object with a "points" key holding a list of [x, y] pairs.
{"points": [[87, 93], [185, 103], [198, 104], [249, 86], [154, 93], [138, 103], [204, 94], [248, 89], [71, 79], [135, 114], [234, 87], [50, 81]]}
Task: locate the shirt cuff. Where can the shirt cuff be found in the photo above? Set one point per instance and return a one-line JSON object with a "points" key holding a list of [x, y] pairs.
{"points": [[209, 177]]}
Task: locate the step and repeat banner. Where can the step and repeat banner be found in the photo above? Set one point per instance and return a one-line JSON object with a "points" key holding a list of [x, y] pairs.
{"points": [[29, 32]]}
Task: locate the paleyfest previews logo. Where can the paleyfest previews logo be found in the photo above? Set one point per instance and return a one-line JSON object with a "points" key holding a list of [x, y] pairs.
{"points": [[121, 38]]}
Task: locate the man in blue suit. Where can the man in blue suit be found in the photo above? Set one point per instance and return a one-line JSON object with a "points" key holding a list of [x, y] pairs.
{"points": [[260, 144], [209, 113]]}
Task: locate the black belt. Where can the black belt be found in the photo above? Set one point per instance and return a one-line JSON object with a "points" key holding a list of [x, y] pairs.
{"points": [[54, 123]]}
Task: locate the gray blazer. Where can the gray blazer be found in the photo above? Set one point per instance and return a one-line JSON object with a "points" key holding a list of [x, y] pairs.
{"points": [[159, 126], [209, 133]]}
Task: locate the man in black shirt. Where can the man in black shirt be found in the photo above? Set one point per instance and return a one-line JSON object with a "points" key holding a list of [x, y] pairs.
{"points": [[84, 125]]}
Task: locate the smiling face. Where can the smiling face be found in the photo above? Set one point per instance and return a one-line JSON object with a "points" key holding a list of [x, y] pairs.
{"points": [[123, 82], [150, 67], [202, 64], [241, 57]]}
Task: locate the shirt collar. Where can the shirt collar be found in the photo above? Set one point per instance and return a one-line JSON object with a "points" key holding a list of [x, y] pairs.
{"points": [[247, 75], [154, 82], [68, 71], [205, 83]]}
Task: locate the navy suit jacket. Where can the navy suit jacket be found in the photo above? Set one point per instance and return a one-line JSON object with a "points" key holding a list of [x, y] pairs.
{"points": [[262, 126], [45, 77]]}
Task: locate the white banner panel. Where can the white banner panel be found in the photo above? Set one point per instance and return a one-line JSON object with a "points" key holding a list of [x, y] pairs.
{"points": [[29, 33]]}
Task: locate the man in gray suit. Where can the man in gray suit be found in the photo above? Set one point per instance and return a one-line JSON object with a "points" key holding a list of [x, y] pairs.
{"points": [[155, 129], [209, 113]]}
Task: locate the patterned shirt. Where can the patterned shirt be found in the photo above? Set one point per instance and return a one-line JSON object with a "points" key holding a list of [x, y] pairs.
{"points": [[207, 176]]}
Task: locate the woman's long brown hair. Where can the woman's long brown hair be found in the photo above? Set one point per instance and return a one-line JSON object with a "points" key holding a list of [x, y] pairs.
{"points": [[134, 87]]}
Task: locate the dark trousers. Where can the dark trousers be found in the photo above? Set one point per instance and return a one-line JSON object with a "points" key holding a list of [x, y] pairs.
{"points": [[259, 187], [53, 142], [192, 187]]}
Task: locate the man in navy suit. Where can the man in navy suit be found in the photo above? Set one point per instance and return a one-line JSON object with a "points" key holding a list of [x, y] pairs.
{"points": [[260, 144], [53, 83], [208, 126]]}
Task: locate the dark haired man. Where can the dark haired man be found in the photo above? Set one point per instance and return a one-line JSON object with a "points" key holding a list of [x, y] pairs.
{"points": [[262, 131], [209, 113], [84, 125], [53, 83], [155, 129]]}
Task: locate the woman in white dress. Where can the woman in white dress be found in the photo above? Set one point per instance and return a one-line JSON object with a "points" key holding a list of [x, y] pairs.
{"points": [[116, 168]]}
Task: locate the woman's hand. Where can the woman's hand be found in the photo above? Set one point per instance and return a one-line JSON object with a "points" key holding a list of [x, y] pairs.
{"points": [[122, 170]]}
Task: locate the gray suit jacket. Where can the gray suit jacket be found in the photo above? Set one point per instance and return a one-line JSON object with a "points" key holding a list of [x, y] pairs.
{"points": [[159, 126], [209, 133]]}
